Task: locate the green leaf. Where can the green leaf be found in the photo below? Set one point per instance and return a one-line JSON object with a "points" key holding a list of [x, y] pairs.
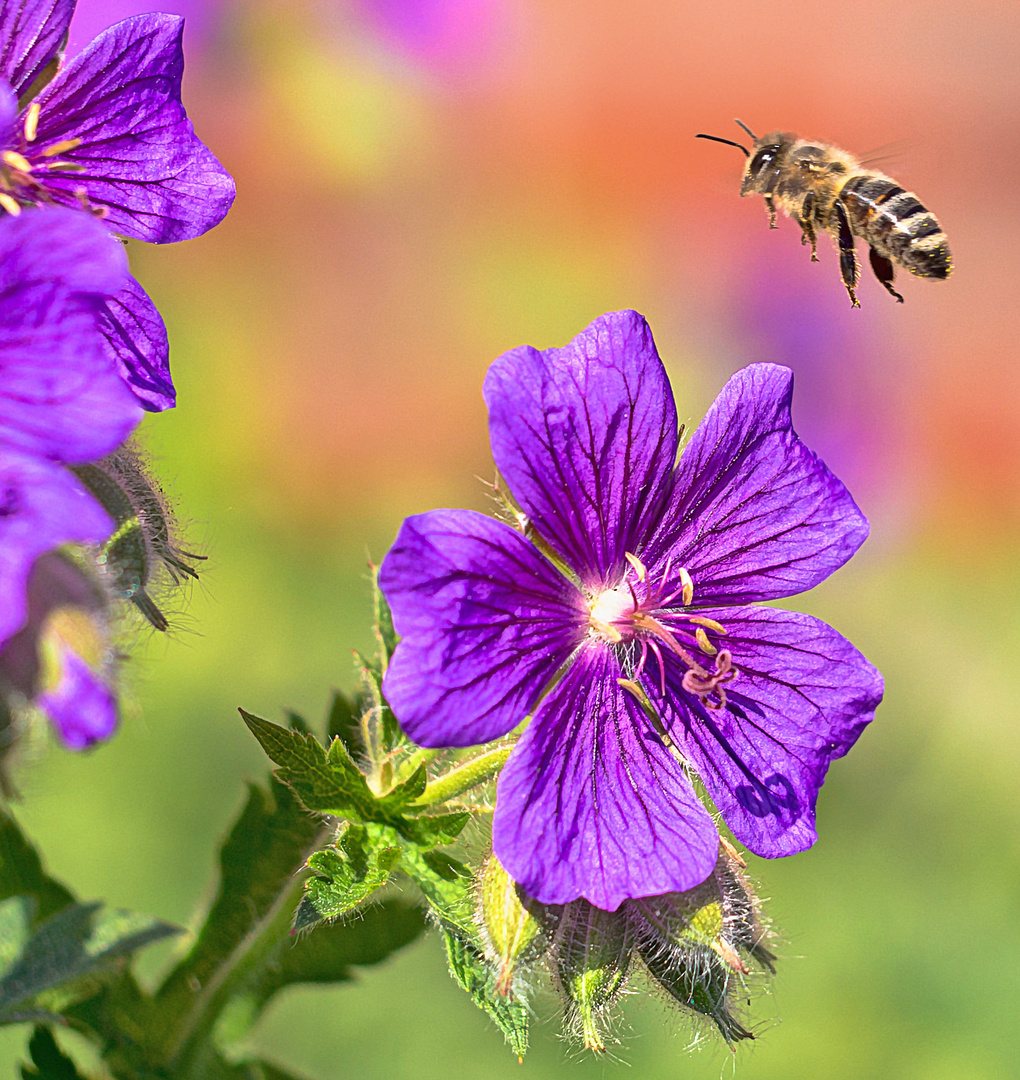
{"points": [[17, 917], [351, 870], [448, 886], [49, 1062], [328, 953], [431, 831], [267, 845], [471, 971], [77, 943], [325, 782], [329, 782], [21, 872], [400, 797]]}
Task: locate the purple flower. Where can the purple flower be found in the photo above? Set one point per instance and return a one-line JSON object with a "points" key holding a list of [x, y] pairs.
{"points": [[108, 133], [623, 621], [61, 401], [61, 659]]}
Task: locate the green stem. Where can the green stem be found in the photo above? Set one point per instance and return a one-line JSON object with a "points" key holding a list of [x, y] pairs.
{"points": [[193, 1041], [464, 777]]}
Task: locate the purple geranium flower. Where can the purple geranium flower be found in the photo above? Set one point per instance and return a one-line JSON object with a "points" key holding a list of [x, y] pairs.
{"points": [[61, 401], [110, 129], [108, 133], [623, 621]]}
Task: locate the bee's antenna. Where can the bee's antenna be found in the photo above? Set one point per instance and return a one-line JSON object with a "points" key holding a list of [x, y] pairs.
{"points": [[729, 142], [746, 128]]}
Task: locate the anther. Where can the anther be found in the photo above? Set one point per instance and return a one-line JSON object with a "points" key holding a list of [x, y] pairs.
{"points": [[688, 591], [16, 161], [704, 644], [32, 122], [9, 204], [709, 624], [639, 566], [60, 147], [637, 691]]}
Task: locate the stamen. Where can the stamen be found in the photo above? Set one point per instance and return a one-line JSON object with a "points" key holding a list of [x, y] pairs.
{"points": [[704, 644], [688, 591], [710, 624], [16, 161], [9, 204], [639, 566], [60, 147], [637, 691], [32, 121], [654, 646], [729, 955], [646, 622], [732, 852]]}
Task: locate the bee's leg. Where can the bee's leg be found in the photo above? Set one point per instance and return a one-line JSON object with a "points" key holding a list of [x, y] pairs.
{"points": [[771, 207], [769, 191], [807, 225], [848, 267], [883, 269]]}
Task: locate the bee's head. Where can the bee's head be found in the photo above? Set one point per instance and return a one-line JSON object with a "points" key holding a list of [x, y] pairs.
{"points": [[769, 151], [761, 162]]}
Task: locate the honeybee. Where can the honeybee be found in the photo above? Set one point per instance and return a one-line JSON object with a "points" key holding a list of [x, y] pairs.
{"points": [[823, 187]]}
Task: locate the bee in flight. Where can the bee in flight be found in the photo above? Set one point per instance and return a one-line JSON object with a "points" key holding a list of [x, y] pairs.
{"points": [[823, 187]]}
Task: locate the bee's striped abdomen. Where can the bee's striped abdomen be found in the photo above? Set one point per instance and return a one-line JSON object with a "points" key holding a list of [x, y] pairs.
{"points": [[897, 225]]}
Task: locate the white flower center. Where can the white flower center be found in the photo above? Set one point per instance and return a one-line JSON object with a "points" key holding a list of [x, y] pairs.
{"points": [[610, 608]]}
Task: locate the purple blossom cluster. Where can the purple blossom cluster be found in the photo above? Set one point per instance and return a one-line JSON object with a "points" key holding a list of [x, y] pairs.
{"points": [[94, 150], [621, 622]]}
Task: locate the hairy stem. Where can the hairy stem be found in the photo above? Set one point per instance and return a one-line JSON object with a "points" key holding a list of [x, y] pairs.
{"points": [[464, 777]]}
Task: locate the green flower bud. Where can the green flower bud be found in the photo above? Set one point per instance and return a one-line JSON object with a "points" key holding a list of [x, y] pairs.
{"points": [[593, 950], [694, 943], [510, 930], [143, 541]]}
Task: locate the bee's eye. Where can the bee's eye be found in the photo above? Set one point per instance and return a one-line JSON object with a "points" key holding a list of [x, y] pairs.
{"points": [[762, 160]]}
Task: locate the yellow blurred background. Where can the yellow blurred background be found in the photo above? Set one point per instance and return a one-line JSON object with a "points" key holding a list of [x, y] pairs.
{"points": [[423, 184]]}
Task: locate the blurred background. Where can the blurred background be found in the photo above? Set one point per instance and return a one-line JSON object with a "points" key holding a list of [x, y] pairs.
{"points": [[423, 184]]}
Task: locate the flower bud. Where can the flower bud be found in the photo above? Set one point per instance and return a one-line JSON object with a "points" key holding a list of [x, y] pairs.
{"points": [[62, 660], [694, 943], [511, 931], [593, 950], [143, 541]]}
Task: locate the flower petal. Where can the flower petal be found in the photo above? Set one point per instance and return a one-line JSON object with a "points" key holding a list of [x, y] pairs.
{"points": [[485, 620], [81, 707], [137, 341], [60, 396], [139, 156], [586, 438], [802, 696], [41, 507], [755, 514], [592, 804], [31, 33]]}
